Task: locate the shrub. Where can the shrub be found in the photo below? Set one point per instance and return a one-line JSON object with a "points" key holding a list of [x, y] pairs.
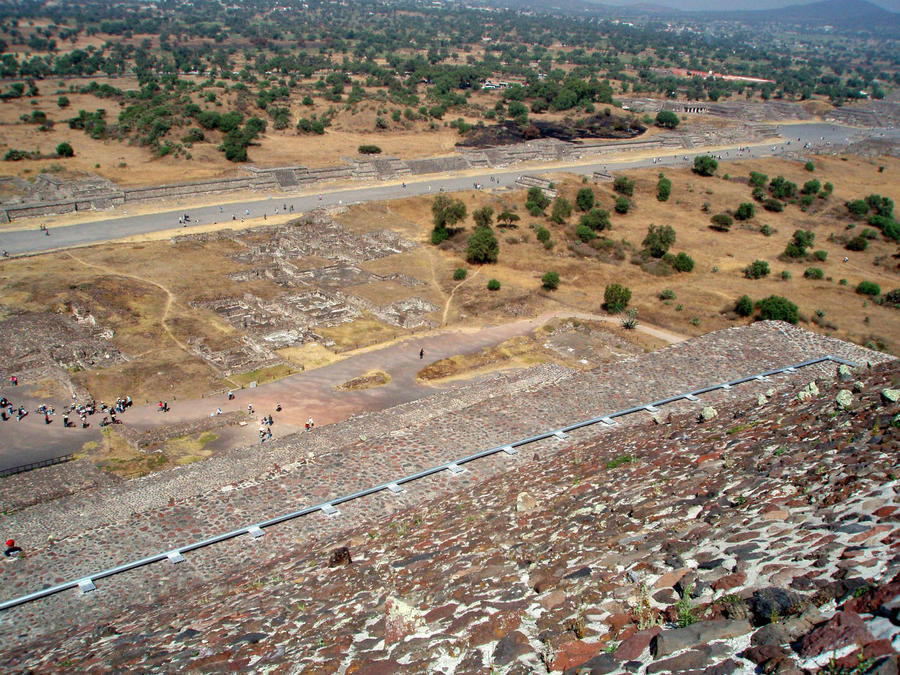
{"points": [[194, 135], [483, 246], [65, 150], [659, 240], [460, 273], [869, 233], [493, 285], [536, 201], [623, 186], [868, 288], [596, 219], [663, 188], [616, 297], [859, 243], [666, 119], [786, 275], [857, 207], [777, 308], [773, 205], [881, 206], [63, 101], [584, 200], [562, 209], [820, 255], [483, 217], [743, 306], [439, 234], [809, 166], [745, 211], [758, 179], [308, 126], [447, 211], [550, 281], [892, 298], [757, 269], [622, 205], [814, 273], [811, 187], [781, 188], [369, 150], [683, 262], [543, 234], [585, 233], [722, 222], [667, 294], [705, 165], [766, 231], [801, 240]]}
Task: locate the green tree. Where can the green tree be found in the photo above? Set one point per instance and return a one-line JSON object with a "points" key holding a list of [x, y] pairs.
{"points": [[758, 179], [666, 119], [585, 233], [663, 188], [507, 219], [550, 281], [777, 308], [616, 298], [64, 149], [447, 211], [745, 211], [809, 166], [596, 219], [483, 217], [857, 207], [624, 186], [781, 188], [622, 205], [659, 240], [757, 269], [562, 209], [811, 187], [744, 306], [584, 200], [705, 165], [868, 288], [482, 247], [536, 201], [722, 222], [63, 101], [682, 262]]}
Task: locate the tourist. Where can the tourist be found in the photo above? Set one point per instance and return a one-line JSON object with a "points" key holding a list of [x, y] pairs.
{"points": [[421, 354], [249, 409], [65, 420], [12, 551], [13, 380], [310, 424]]}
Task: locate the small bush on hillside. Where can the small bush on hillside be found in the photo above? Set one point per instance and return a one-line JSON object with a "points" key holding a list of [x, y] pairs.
{"points": [[777, 308], [758, 179], [596, 219], [781, 188], [667, 294], [809, 166], [820, 255], [369, 150], [814, 273], [722, 222], [663, 188], [666, 119], [869, 233], [892, 298], [705, 165], [562, 209], [757, 269], [766, 231], [584, 200], [857, 207], [622, 205], [550, 281], [536, 201], [868, 288], [483, 217], [811, 187], [773, 205], [658, 240], [65, 150], [623, 186], [460, 273], [682, 262], [493, 285], [857, 244], [744, 306], [543, 234], [616, 297], [745, 211], [786, 276], [585, 233]]}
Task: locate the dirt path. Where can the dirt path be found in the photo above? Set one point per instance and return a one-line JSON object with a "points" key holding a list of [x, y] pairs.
{"points": [[452, 293], [170, 299]]}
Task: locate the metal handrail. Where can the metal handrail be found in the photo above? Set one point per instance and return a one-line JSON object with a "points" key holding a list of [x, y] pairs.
{"points": [[86, 583], [22, 468]]}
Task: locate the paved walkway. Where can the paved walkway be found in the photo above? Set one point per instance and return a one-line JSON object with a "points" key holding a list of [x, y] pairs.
{"points": [[314, 394], [82, 234]]}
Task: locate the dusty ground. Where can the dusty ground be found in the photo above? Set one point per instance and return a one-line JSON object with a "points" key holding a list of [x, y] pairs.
{"points": [[143, 290]]}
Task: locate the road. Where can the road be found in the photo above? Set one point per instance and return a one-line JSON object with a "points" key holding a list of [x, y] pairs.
{"points": [[16, 242]]}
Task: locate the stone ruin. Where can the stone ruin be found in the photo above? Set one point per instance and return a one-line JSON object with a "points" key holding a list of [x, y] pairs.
{"points": [[316, 297], [32, 342]]}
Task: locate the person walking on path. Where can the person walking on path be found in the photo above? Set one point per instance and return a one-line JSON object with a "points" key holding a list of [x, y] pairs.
{"points": [[12, 551], [421, 354]]}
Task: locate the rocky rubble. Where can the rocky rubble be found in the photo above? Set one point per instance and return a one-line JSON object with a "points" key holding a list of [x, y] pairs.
{"points": [[761, 539]]}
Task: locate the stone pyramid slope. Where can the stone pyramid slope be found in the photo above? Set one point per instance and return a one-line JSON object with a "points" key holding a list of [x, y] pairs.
{"points": [[770, 532], [714, 358]]}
